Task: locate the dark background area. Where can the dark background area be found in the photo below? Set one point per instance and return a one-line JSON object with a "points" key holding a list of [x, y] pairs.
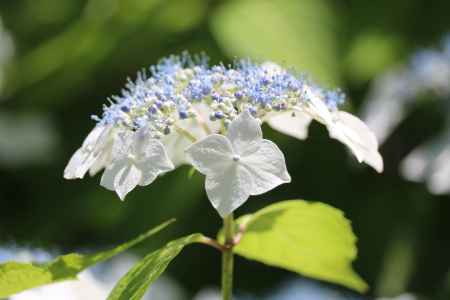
{"points": [[69, 56]]}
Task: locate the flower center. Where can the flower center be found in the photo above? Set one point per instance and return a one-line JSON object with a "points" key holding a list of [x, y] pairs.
{"points": [[236, 157]]}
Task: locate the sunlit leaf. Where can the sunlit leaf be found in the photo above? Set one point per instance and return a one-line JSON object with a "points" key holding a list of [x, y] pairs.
{"points": [[16, 277], [136, 282], [297, 33], [312, 239], [370, 54], [168, 16]]}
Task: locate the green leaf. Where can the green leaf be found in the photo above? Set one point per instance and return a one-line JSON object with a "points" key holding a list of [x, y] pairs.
{"points": [[383, 50], [296, 33], [16, 277], [136, 282], [312, 239]]}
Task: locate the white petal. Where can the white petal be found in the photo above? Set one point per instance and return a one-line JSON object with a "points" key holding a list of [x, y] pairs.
{"points": [[352, 132], [211, 155], [244, 132], [375, 160], [122, 177], [102, 161], [86, 156], [107, 180], [122, 145], [291, 123], [175, 145], [382, 115], [115, 150], [229, 189], [151, 159], [78, 164], [414, 167], [365, 136], [316, 107], [105, 156], [439, 180], [267, 167], [199, 127], [127, 180], [95, 134]]}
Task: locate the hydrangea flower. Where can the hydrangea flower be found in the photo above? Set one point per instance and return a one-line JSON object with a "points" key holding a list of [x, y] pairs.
{"points": [[215, 113], [138, 160], [238, 165], [390, 98], [392, 93]]}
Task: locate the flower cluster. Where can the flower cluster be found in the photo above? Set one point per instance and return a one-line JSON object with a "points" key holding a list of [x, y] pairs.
{"points": [[210, 117], [428, 72]]}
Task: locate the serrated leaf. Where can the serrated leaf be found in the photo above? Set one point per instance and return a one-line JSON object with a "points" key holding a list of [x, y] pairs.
{"points": [[296, 33], [16, 277], [312, 239], [136, 282]]}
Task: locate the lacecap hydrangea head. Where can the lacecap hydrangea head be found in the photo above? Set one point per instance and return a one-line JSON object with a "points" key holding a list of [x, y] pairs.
{"points": [[390, 100], [186, 111]]}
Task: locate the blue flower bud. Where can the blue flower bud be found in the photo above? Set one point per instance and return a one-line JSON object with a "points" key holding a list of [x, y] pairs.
{"points": [[125, 109], [218, 115], [183, 114]]}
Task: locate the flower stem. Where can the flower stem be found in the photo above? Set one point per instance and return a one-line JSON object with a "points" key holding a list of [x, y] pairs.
{"points": [[227, 258], [185, 133]]}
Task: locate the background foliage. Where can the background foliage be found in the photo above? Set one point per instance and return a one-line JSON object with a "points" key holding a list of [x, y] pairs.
{"points": [[70, 55]]}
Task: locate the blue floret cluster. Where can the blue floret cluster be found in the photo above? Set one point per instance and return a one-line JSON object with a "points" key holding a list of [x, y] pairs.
{"points": [[172, 88]]}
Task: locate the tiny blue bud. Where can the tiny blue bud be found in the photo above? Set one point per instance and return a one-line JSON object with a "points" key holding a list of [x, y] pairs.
{"points": [[183, 114], [158, 104], [206, 89], [216, 97], [252, 111], [125, 109], [218, 115], [152, 109], [265, 81]]}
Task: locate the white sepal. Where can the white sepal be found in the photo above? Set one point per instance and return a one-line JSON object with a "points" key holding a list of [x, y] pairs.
{"points": [[137, 160], [238, 165], [352, 132], [92, 154], [292, 123], [199, 127]]}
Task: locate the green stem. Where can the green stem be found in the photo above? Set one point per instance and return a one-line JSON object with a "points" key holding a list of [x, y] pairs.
{"points": [[185, 133], [227, 258]]}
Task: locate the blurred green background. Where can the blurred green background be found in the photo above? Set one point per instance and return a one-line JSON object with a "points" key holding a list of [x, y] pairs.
{"points": [[60, 60]]}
